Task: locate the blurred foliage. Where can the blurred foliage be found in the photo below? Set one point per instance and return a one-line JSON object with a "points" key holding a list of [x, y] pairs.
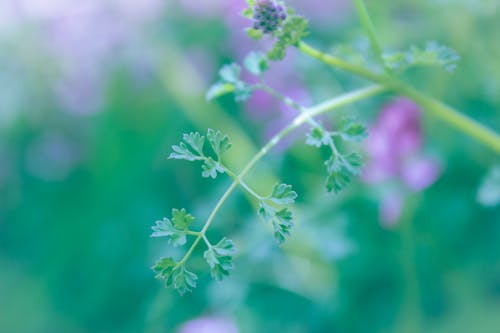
{"points": [[79, 192]]}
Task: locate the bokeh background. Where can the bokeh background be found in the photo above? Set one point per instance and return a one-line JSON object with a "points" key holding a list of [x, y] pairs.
{"points": [[94, 93]]}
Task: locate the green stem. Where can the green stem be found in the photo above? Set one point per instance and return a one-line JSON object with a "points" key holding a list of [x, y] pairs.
{"points": [[304, 117], [367, 24], [243, 184], [466, 125]]}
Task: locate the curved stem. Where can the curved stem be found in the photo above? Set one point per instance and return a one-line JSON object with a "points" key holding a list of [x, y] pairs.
{"points": [[481, 133], [326, 106]]}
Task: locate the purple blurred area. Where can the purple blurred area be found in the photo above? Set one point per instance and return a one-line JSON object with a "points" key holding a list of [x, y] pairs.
{"points": [[395, 153]]}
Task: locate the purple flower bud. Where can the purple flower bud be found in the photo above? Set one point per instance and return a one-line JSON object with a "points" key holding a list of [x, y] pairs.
{"points": [[268, 16]]}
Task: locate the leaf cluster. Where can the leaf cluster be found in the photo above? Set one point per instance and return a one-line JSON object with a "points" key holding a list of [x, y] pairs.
{"points": [[433, 54], [340, 166], [192, 148]]}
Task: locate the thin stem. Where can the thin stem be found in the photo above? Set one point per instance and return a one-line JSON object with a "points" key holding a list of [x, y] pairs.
{"points": [[481, 133], [243, 184], [367, 24], [290, 102], [321, 108]]}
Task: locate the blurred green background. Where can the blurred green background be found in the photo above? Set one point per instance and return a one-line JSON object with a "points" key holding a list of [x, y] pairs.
{"points": [[93, 95]]}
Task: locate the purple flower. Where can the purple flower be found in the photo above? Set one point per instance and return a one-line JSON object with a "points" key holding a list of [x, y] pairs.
{"points": [[209, 325], [394, 149]]}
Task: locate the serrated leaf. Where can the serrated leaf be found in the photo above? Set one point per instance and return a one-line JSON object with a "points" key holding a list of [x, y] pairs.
{"points": [[192, 151], [433, 54], [283, 194], [280, 220], [219, 89], [165, 228], [183, 280], [195, 140], [282, 225], [163, 268], [340, 169], [219, 258], [182, 152], [354, 161], [337, 181], [220, 143], [181, 219], [256, 63], [318, 137], [211, 168], [350, 130]]}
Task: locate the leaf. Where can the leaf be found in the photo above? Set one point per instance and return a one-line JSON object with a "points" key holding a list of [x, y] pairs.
{"points": [[340, 169], [181, 219], [194, 152], [318, 137], [433, 54], [211, 168], [337, 181], [163, 269], [220, 143], [292, 32], [165, 228], [283, 194], [280, 220], [181, 152], [219, 89], [230, 73], [282, 225], [183, 280], [219, 258], [350, 130], [353, 162], [256, 63], [254, 34]]}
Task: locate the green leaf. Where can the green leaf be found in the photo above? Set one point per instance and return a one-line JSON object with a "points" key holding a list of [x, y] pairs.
{"points": [[433, 54], [254, 34], [182, 152], [211, 168], [280, 220], [220, 258], [353, 163], [164, 268], [230, 73], [283, 194], [350, 130], [165, 228], [193, 152], [181, 219], [219, 89], [247, 12], [183, 280], [282, 225], [293, 30], [220, 143], [318, 137], [337, 181], [256, 63], [340, 169]]}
